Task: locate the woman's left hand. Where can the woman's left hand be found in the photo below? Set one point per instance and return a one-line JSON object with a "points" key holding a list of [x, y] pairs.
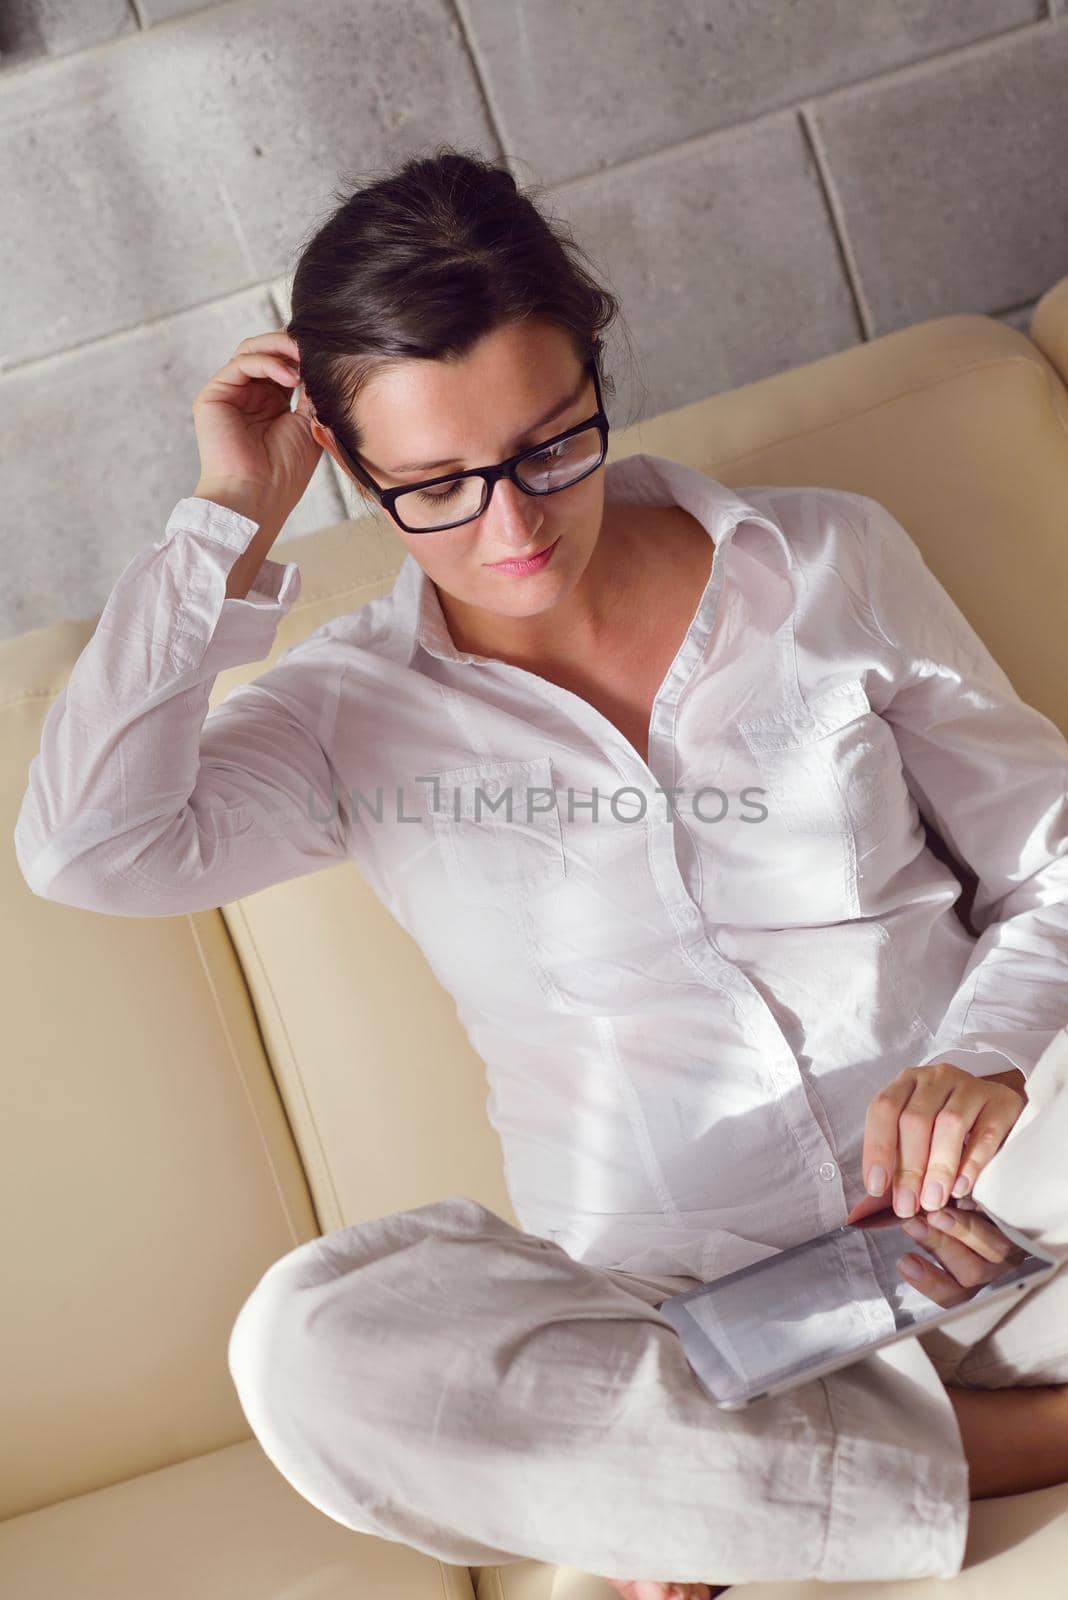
{"points": [[917, 1128]]}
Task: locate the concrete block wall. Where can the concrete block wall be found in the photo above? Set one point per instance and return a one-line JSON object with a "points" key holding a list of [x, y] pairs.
{"points": [[762, 182]]}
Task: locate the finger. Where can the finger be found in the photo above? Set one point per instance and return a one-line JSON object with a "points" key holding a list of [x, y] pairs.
{"points": [[951, 1124], [978, 1233], [238, 371], [277, 339], [915, 1122], [990, 1129], [964, 1264], [880, 1131]]}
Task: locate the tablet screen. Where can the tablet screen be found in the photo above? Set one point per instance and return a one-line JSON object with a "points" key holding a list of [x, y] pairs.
{"points": [[781, 1319]]}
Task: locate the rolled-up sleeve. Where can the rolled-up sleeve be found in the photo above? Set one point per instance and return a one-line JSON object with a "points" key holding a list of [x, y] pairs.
{"points": [[143, 802], [990, 773]]}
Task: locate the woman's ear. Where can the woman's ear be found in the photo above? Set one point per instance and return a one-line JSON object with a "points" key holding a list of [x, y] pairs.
{"points": [[324, 438]]}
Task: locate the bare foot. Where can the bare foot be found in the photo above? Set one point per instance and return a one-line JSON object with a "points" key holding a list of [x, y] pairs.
{"points": [[646, 1589]]}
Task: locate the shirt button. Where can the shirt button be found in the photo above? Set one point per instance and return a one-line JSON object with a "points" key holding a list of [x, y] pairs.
{"points": [[828, 1170]]}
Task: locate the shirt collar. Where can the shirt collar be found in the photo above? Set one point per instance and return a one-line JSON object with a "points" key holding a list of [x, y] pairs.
{"points": [[418, 621]]}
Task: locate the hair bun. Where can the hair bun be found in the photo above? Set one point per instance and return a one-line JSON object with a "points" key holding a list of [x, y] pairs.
{"points": [[421, 263]]}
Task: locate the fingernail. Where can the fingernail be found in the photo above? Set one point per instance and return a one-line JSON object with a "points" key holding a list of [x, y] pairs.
{"points": [[910, 1267], [876, 1181], [962, 1185], [906, 1203], [932, 1195], [914, 1228]]}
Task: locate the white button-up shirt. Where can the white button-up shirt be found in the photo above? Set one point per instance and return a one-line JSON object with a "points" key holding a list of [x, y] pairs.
{"points": [[686, 977]]}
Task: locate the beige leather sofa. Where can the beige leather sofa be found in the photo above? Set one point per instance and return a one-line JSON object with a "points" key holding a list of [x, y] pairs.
{"points": [[185, 1099]]}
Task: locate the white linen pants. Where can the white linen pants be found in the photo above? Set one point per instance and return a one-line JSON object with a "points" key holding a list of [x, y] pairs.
{"points": [[439, 1378]]}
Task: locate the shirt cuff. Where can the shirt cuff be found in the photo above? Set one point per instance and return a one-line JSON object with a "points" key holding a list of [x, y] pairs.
{"points": [[983, 1062], [277, 582]]}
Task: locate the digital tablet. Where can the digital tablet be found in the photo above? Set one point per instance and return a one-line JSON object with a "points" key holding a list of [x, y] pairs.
{"points": [[797, 1315]]}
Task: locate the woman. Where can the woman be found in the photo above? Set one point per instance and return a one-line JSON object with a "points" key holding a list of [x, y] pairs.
{"points": [[704, 1026]]}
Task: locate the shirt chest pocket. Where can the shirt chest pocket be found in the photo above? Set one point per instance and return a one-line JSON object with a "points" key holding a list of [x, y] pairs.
{"points": [[833, 770], [497, 827]]}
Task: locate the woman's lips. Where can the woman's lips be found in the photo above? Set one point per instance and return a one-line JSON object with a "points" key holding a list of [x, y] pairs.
{"points": [[535, 563]]}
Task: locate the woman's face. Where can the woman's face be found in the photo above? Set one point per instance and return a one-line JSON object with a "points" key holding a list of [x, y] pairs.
{"points": [[428, 417]]}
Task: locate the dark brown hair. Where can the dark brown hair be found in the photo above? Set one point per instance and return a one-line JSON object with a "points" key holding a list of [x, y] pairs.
{"points": [[420, 264]]}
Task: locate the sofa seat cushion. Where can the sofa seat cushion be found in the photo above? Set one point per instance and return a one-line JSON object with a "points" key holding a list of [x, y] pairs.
{"points": [[1017, 1545], [219, 1526]]}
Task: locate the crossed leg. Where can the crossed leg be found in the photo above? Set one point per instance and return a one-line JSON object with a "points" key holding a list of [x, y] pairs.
{"points": [[440, 1378]]}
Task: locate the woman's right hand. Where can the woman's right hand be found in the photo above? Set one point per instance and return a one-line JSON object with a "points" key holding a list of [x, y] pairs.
{"points": [[256, 454]]}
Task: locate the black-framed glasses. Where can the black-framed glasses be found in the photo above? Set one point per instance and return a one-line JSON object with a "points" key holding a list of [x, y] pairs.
{"points": [[458, 497]]}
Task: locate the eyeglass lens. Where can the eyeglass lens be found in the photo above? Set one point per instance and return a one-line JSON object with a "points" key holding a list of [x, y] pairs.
{"points": [[556, 467]]}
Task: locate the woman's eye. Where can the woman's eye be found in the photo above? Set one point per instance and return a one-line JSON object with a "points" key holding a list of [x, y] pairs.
{"points": [[438, 499]]}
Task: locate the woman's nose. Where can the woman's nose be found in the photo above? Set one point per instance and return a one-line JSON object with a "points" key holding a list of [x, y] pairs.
{"points": [[512, 516]]}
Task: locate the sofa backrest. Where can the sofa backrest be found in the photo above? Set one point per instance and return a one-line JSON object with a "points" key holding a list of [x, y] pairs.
{"points": [[187, 1098]]}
